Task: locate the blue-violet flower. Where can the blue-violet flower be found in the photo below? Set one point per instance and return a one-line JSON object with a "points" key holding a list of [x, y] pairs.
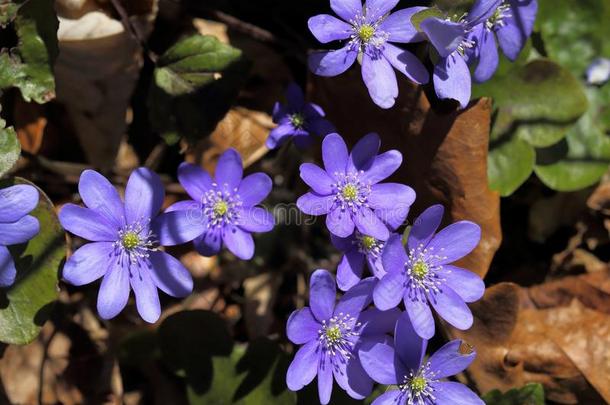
{"points": [[357, 249]]}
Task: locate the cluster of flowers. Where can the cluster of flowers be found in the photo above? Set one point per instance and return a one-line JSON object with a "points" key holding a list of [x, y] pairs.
{"points": [[350, 341], [370, 32]]}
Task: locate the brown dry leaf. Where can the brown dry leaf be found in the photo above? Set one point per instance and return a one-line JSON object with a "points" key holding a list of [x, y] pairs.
{"points": [[543, 334], [260, 293], [30, 124], [600, 199], [445, 154]]}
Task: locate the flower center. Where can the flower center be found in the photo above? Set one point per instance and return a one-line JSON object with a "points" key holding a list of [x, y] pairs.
{"points": [[297, 120], [333, 334], [368, 242], [366, 32], [498, 17], [220, 208], [336, 335], [349, 192], [423, 275], [418, 385], [130, 240], [420, 269]]}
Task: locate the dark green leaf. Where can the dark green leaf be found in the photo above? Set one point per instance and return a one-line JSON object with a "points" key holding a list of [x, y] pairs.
{"points": [[29, 66], [195, 83], [509, 164], [26, 305], [9, 148], [531, 394]]}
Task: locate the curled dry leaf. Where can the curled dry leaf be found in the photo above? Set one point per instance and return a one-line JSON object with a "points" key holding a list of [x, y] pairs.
{"points": [[444, 154], [543, 334]]}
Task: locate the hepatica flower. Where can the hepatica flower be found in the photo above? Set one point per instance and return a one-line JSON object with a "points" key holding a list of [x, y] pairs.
{"points": [[511, 23], [420, 382], [358, 249], [298, 120], [16, 226], [331, 335], [369, 32], [423, 275], [225, 207], [126, 239], [348, 191], [451, 39]]}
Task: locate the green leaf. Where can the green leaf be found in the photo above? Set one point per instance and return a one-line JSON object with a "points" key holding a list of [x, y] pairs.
{"points": [[195, 83], [29, 66], [530, 394], [584, 156], [509, 164], [575, 33], [418, 18], [9, 148], [26, 305]]}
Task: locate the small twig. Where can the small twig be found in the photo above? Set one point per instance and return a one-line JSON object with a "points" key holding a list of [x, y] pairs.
{"points": [[133, 30], [156, 155]]}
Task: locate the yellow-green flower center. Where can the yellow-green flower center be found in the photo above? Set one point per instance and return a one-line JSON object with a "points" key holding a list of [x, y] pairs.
{"points": [[130, 240], [349, 192], [418, 385], [297, 120], [333, 334], [220, 208], [366, 32], [368, 242], [420, 269]]}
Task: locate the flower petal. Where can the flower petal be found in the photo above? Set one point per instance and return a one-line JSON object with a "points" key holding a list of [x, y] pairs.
{"points": [[394, 256], [452, 308], [391, 202], [399, 28], [334, 154], [466, 284], [364, 152], [303, 367], [455, 241], [339, 222], [322, 294], [229, 169], [332, 63], [239, 242], [279, 135], [114, 292], [349, 271], [452, 79], [88, 263], [101, 196], [410, 347], [17, 201], [488, 57], [421, 318], [325, 379], [369, 224], [319, 126], [8, 272], [315, 204], [380, 80], [195, 180], [147, 296], [170, 275], [444, 35], [187, 205], [87, 224], [143, 195], [357, 298], [327, 28], [256, 219], [352, 378], [375, 9], [302, 327], [378, 358], [20, 231], [294, 96], [482, 10], [316, 178], [383, 167], [449, 392], [425, 225], [517, 28], [254, 189], [346, 9], [392, 397], [209, 243], [449, 360], [344, 244], [406, 63], [375, 322], [177, 227], [389, 291]]}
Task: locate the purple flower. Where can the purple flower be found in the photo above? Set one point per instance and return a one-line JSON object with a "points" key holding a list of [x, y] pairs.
{"points": [[225, 207], [512, 23], [125, 243], [298, 120], [331, 334], [598, 72], [424, 275], [16, 226], [347, 190], [357, 249], [453, 44], [369, 32], [401, 362]]}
